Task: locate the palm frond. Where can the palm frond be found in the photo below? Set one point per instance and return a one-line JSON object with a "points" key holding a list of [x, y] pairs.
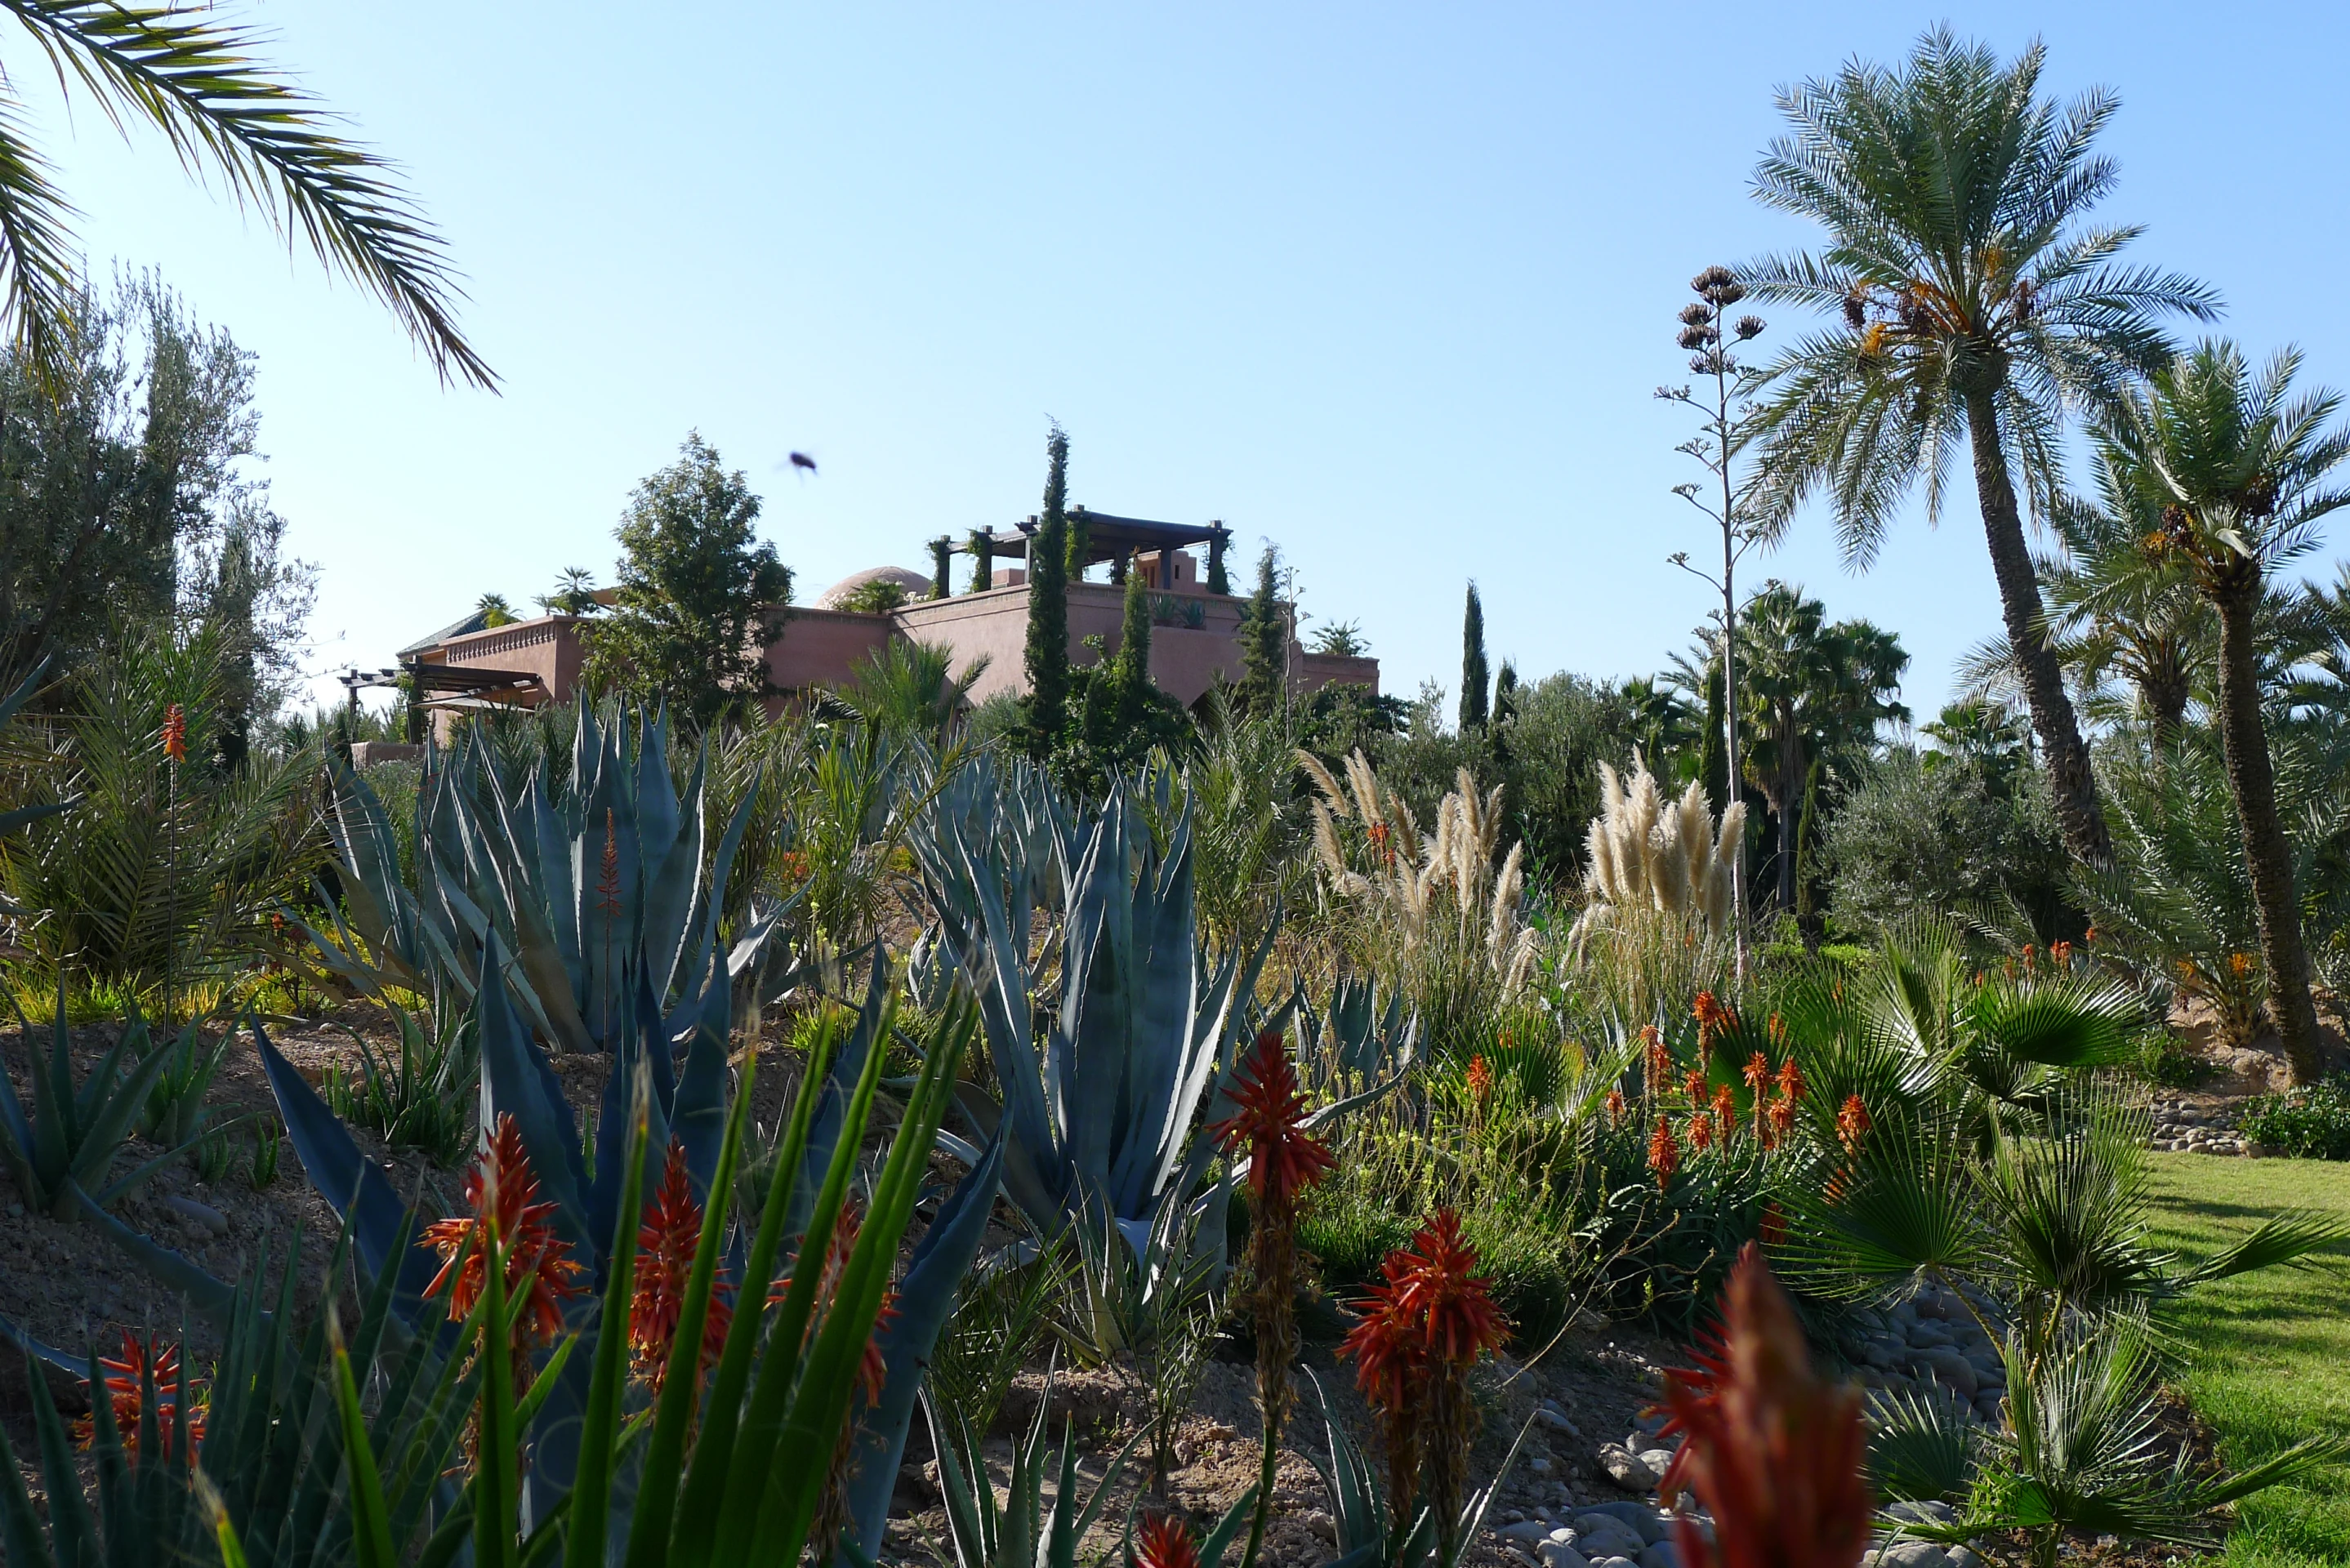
{"points": [[223, 111]]}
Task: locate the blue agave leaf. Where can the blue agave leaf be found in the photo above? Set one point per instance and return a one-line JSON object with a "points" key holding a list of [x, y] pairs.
{"points": [[699, 1119], [672, 870], [25, 1343], [349, 1182], [925, 1299], [214, 1300], [517, 1082]]}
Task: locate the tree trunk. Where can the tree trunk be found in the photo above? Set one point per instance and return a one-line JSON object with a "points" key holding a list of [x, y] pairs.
{"points": [[2074, 786], [2266, 853]]}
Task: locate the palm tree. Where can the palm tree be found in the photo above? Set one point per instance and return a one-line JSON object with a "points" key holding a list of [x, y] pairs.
{"points": [[1812, 692], [1971, 302], [223, 111], [2237, 469]]}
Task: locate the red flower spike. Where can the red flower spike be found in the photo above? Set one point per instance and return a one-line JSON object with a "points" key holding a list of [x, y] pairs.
{"points": [[1481, 1079], [1758, 1083], [175, 732], [1269, 1127], [1852, 1124], [1664, 1152], [1773, 1452], [872, 1371], [500, 1178], [1710, 1350], [1725, 1110], [125, 1391], [666, 1245], [1166, 1542], [1774, 1227], [1657, 1059], [1694, 1084], [1783, 1117], [1701, 1132], [1791, 1079], [1616, 1107]]}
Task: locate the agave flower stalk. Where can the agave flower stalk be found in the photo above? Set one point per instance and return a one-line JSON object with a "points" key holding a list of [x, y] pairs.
{"points": [[1285, 1161], [1772, 1451], [1425, 1326]]}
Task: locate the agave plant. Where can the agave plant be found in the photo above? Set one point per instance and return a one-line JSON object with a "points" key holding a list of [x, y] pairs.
{"points": [[1359, 1509], [590, 887], [1097, 1117], [1022, 1531], [271, 1447]]}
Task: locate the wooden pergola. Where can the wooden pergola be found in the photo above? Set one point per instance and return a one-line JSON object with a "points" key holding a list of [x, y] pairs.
{"points": [[1113, 539]]}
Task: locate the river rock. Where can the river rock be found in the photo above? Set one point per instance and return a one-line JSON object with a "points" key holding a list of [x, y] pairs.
{"points": [[1626, 1469]]}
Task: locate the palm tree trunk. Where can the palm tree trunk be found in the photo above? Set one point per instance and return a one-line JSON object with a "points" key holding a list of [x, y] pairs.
{"points": [[2266, 853], [2074, 786]]}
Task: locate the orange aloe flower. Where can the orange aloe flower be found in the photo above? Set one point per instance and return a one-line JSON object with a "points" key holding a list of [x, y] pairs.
{"points": [[1758, 1083], [1166, 1544], [1783, 1118], [1694, 1084], [1852, 1124], [1481, 1079], [2060, 953], [1771, 1451], [501, 1179], [125, 1392], [175, 732], [1269, 1125], [1664, 1152], [1725, 1110], [872, 1370], [1701, 1132], [1657, 1059], [1791, 1080], [667, 1242], [1616, 1107]]}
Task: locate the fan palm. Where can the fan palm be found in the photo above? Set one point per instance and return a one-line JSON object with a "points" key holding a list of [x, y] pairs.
{"points": [[1972, 303], [2239, 470], [223, 111]]}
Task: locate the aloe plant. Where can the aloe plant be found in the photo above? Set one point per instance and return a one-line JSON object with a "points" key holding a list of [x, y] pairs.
{"points": [[592, 888], [1360, 1511], [61, 1151], [1021, 1532], [272, 1451]]}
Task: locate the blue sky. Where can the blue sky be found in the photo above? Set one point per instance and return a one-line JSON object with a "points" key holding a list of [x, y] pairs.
{"points": [[1390, 287]]}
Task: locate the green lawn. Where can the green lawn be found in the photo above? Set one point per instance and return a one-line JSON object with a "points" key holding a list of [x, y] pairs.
{"points": [[2271, 1350]]}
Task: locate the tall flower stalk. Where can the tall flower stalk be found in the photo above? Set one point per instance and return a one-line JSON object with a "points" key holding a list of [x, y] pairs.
{"points": [[1707, 331], [1425, 1326], [175, 752], [1285, 1161]]}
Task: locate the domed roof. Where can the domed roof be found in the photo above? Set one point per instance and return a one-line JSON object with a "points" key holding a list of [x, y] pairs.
{"points": [[914, 583]]}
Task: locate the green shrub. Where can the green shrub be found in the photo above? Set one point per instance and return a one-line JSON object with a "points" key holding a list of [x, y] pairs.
{"points": [[2306, 1123]]}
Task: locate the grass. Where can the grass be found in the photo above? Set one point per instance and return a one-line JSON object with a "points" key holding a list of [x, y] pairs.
{"points": [[2270, 1351]]}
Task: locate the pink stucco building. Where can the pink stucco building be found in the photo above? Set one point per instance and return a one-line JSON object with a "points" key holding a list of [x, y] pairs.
{"points": [[1194, 640]]}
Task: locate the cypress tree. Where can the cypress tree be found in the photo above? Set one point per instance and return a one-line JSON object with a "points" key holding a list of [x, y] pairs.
{"points": [[1264, 639], [1219, 580], [1133, 676], [980, 547], [1047, 651], [1713, 753], [1473, 664], [941, 568], [1505, 708]]}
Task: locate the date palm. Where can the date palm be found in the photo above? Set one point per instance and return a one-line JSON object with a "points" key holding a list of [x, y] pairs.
{"points": [[2241, 474], [1971, 302], [223, 113]]}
